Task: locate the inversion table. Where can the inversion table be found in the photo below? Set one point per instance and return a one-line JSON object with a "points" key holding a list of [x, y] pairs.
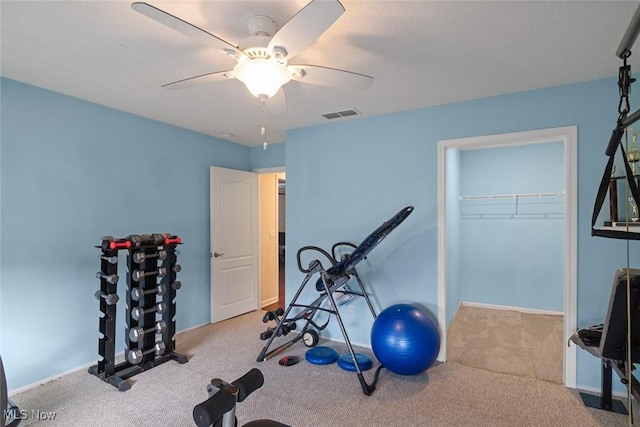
{"points": [[331, 285], [608, 341]]}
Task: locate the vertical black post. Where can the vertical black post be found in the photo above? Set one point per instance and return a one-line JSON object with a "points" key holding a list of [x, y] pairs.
{"points": [[169, 298], [106, 343], [613, 200], [132, 304], [605, 399], [148, 301], [168, 337]]}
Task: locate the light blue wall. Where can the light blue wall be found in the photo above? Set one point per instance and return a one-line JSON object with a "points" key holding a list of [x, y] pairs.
{"points": [[71, 172], [272, 157], [344, 179], [512, 255]]}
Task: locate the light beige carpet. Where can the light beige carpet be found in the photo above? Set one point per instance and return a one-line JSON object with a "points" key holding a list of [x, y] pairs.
{"points": [[506, 341], [306, 395]]}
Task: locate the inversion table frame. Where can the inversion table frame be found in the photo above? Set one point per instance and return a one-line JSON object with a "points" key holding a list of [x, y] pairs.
{"points": [[330, 281], [609, 341]]}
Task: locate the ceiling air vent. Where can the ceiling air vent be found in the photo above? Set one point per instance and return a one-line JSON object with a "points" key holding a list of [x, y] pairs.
{"points": [[338, 114]]}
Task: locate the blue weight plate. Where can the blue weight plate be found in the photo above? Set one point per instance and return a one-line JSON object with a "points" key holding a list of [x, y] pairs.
{"points": [[321, 355], [346, 362]]}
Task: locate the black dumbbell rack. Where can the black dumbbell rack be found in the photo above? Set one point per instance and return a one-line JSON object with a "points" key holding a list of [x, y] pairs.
{"points": [[150, 245]]}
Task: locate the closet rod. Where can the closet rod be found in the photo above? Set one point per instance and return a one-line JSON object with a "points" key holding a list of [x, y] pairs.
{"points": [[512, 196]]}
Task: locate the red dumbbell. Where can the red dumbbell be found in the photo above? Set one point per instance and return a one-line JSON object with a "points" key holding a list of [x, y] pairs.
{"points": [[120, 245], [108, 242], [171, 241]]}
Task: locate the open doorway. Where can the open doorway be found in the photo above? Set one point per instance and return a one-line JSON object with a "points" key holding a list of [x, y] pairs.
{"points": [[282, 229], [447, 202], [272, 239]]}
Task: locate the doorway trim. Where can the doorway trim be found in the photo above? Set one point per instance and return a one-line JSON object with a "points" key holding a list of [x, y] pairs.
{"points": [[569, 137]]}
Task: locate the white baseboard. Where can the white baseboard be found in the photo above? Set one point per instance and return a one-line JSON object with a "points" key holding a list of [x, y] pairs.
{"points": [[341, 341], [192, 327], [84, 367], [505, 307]]}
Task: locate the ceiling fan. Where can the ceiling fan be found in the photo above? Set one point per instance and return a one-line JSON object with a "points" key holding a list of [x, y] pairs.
{"points": [[263, 57]]}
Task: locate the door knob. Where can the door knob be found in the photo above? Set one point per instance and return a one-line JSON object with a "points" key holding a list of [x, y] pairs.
{"points": [[216, 254]]}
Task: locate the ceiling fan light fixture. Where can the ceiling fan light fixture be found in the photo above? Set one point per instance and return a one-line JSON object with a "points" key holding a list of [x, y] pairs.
{"points": [[263, 77]]}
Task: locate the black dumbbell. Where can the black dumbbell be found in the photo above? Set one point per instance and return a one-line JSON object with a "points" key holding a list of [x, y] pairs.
{"points": [[141, 256], [141, 274], [137, 333], [135, 240], [109, 298], [137, 293], [177, 268], [158, 238], [110, 278], [139, 312], [273, 315], [135, 356], [110, 259], [176, 284]]}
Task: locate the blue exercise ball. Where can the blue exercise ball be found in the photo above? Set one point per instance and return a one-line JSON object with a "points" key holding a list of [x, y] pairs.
{"points": [[405, 339]]}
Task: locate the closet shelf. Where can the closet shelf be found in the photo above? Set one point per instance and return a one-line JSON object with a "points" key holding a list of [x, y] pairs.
{"points": [[521, 205], [513, 196]]}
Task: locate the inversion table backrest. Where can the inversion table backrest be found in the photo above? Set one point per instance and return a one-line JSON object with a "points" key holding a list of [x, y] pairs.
{"points": [[370, 242]]}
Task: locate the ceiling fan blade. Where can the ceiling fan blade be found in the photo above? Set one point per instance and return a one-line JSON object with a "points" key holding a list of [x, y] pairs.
{"points": [[277, 104], [306, 26], [325, 76], [187, 29], [200, 80]]}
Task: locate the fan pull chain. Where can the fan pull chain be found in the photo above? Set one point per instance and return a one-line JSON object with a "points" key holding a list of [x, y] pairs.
{"points": [[263, 130]]}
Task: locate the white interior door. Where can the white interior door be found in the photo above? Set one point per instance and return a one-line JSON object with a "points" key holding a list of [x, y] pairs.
{"points": [[234, 243]]}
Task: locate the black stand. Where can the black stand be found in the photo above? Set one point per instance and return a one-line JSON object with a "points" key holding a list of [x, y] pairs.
{"points": [[613, 341], [147, 298], [605, 401]]}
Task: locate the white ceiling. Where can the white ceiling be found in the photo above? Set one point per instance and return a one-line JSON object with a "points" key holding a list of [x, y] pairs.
{"points": [[421, 54]]}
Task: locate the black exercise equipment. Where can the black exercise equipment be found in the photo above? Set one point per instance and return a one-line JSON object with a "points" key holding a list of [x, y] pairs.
{"points": [[141, 274], [139, 312], [138, 332], [137, 293], [616, 341], [135, 356], [614, 228], [149, 295], [608, 341], [140, 257], [11, 415], [110, 259], [332, 286], [276, 315], [109, 298], [110, 278], [288, 360], [219, 410]]}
